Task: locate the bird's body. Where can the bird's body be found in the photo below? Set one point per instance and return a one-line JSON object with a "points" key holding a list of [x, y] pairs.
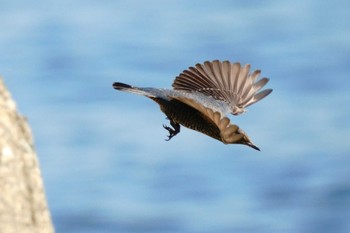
{"points": [[204, 95]]}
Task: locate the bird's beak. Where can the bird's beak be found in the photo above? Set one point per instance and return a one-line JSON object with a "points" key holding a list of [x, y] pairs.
{"points": [[252, 146]]}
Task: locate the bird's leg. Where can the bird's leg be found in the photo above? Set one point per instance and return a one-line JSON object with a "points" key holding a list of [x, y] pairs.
{"points": [[172, 132]]}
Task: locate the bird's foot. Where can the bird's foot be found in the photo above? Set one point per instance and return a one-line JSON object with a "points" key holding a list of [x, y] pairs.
{"points": [[172, 132]]}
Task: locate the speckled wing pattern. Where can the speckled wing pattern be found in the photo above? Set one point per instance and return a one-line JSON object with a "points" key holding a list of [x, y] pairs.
{"points": [[225, 81]]}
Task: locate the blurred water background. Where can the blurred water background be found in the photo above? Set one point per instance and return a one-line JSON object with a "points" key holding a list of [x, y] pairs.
{"points": [[103, 156]]}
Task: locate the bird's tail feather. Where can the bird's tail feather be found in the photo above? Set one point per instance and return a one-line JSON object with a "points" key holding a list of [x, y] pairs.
{"points": [[131, 89]]}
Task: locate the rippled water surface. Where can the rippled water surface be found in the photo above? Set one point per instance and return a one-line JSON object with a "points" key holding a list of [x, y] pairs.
{"points": [[103, 156]]}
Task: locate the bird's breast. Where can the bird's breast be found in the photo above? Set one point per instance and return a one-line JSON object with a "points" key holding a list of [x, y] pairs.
{"points": [[189, 117]]}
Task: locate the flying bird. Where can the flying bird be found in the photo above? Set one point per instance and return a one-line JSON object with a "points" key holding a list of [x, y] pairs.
{"points": [[203, 96]]}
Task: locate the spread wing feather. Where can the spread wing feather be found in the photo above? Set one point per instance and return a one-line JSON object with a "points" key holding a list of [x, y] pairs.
{"points": [[229, 82]]}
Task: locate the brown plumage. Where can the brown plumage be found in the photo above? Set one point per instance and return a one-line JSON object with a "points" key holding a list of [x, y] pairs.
{"points": [[203, 96]]}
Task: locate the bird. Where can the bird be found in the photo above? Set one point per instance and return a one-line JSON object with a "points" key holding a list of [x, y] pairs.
{"points": [[204, 95]]}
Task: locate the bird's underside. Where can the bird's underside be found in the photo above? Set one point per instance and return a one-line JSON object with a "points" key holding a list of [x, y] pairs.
{"points": [[181, 114], [203, 95], [210, 123]]}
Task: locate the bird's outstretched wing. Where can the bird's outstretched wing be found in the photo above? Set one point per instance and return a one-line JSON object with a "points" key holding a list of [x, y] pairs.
{"points": [[226, 81]]}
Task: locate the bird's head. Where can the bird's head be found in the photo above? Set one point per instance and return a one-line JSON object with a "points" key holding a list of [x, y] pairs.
{"points": [[245, 140], [234, 135]]}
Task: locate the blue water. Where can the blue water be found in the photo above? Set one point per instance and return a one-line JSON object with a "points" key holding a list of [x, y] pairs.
{"points": [[102, 153]]}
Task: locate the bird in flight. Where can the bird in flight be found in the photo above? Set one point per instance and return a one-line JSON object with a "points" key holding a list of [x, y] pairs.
{"points": [[203, 96]]}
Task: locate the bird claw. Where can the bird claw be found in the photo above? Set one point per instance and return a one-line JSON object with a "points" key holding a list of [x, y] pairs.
{"points": [[172, 132]]}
